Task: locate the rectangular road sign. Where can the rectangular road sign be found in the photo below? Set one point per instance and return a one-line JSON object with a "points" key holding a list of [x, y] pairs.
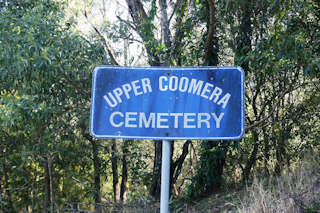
{"points": [[170, 103]]}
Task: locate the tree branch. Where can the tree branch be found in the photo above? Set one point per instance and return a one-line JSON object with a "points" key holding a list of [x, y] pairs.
{"points": [[177, 165], [105, 41], [144, 28], [165, 23], [211, 28], [76, 85], [176, 5], [137, 12], [179, 34], [280, 97], [127, 23]]}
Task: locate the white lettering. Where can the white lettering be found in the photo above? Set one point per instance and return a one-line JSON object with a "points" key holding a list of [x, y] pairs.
{"points": [[206, 90], [195, 87], [118, 92], [143, 120], [113, 103], [224, 100], [165, 120], [176, 117], [127, 88], [183, 84], [111, 119], [161, 86], [216, 93], [161, 120], [146, 85], [173, 83], [187, 119], [116, 97], [205, 120], [217, 119], [128, 119], [136, 88]]}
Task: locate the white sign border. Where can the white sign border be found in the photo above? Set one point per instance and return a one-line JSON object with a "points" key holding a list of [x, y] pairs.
{"points": [[92, 106]]}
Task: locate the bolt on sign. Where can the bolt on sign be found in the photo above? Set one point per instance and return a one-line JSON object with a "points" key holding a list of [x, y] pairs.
{"points": [[169, 103]]}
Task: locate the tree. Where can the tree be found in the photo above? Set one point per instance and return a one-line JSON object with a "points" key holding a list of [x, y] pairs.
{"points": [[212, 154], [162, 48], [44, 73], [165, 50], [271, 46]]}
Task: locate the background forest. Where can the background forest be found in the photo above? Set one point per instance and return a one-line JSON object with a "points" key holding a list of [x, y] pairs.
{"points": [[49, 48]]}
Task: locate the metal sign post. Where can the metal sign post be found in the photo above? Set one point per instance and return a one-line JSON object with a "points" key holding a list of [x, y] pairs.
{"points": [[165, 176]]}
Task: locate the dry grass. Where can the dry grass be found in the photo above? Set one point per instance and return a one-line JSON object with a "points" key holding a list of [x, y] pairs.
{"points": [[297, 191], [294, 192]]}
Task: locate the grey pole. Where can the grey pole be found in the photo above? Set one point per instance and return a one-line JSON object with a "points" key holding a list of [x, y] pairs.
{"points": [[165, 176]]}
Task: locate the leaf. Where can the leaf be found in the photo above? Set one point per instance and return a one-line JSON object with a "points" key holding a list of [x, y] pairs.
{"points": [[281, 15]]}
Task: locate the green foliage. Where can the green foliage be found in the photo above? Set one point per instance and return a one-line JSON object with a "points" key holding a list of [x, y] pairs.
{"points": [[45, 75], [45, 86], [208, 178], [274, 42]]}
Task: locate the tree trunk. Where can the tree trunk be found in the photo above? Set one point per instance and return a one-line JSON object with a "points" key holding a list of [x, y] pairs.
{"points": [[212, 157], [47, 186], [6, 189], [253, 157], [156, 177], [124, 180], [144, 28], [244, 37], [97, 167], [51, 184], [166, 35], [175, 168], [33, 192], [115, 173], [211, 45], [266, 151]]}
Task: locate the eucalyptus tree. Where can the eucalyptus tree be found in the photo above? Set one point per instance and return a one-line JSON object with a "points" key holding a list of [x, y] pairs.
{"points": [[45, 92], [163, 46], [275, 43]]}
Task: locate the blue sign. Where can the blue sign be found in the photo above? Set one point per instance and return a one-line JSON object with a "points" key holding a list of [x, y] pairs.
{"points": [[205, 103]]}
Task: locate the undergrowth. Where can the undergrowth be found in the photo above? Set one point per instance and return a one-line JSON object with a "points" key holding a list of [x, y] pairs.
{"points": [[294, 192], [297, 191]]}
